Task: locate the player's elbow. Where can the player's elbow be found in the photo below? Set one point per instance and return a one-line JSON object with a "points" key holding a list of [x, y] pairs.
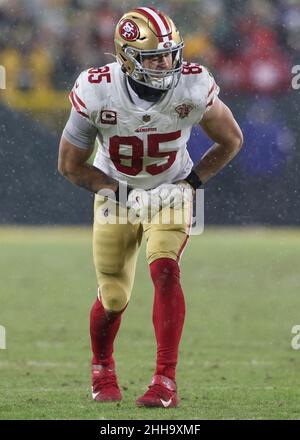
{"points": [[65, 168], [237, 141], [61, 167], [240, 141]]}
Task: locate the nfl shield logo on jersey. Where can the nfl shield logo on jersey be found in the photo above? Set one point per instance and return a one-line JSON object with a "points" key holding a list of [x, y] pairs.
{"points": [[146, 118], [183, 110]]}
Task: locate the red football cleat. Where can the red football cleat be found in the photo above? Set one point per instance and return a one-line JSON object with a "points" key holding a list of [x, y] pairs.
{"points": [[161, 393], [104, 384]]}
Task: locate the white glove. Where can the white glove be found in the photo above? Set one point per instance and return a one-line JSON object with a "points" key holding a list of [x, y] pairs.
{"points": [[144, 204], [174, 195]]}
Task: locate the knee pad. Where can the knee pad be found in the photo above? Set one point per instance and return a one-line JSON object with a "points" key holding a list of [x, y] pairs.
{"points": [[114, 296]]}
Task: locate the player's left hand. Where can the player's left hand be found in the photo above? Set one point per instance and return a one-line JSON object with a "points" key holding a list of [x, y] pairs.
{"points": [[174, 195]]}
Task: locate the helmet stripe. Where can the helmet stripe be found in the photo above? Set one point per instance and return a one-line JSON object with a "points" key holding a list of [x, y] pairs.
{"points": [[157, 22], [159, 18], [162, 19]]}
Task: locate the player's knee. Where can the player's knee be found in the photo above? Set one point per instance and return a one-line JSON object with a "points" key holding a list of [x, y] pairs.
{"points": [[114, 297], [165, 272]]}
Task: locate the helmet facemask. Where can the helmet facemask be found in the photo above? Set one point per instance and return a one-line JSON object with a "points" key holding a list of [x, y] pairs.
{"points": [[161, 79]]}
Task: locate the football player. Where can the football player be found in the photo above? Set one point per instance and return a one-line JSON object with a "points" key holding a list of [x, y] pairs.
{"points": [[141, 110]]}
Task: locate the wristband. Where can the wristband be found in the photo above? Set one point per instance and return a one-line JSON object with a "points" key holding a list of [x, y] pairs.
{"points": [[193, 180]]}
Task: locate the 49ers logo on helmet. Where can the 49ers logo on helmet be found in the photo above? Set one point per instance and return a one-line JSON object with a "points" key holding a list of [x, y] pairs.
{"points": [[129, 30]]}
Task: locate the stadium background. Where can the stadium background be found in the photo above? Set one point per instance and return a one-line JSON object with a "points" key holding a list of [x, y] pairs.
{"points": [[250, 47], [241, 283]]}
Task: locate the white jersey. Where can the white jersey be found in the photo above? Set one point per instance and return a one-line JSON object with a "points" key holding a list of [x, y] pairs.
{"points": [[145, 148]]}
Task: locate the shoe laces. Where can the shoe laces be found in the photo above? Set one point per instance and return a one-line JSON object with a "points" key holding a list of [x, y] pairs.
{"points": [[157, 390], [105, 380]]}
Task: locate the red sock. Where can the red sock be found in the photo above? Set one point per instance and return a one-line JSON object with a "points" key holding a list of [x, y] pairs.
{"points": [[168, 314], [104, 326]]}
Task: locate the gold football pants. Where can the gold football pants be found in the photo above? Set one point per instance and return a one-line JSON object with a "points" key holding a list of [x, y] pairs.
{"points": [[116, 247]]}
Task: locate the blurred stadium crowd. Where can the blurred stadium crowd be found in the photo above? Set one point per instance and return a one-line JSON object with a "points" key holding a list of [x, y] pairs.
{"points": [[250, 45]]}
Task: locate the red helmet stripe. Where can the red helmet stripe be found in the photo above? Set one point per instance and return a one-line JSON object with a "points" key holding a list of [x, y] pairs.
{"points": [[157, 22], [162, 19], [153, 21]]}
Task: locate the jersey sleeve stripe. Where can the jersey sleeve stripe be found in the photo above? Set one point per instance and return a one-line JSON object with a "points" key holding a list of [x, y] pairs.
{"points": [[75, 104], [83, 114], [210, 103], [79, 100], [212, 89]]}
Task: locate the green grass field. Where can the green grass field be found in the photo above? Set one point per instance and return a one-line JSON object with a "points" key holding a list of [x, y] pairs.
{"points": [[242, 289]]}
